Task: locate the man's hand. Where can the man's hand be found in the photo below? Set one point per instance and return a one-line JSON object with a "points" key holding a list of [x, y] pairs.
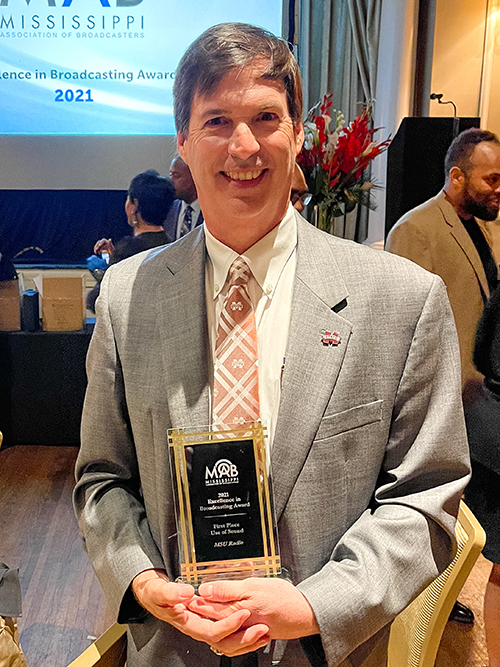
{"points": [[170, 601], [104, 245], [275, 603]]}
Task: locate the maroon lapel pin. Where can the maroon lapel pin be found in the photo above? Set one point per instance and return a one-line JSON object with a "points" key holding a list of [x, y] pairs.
{"points": [[329, 338]]}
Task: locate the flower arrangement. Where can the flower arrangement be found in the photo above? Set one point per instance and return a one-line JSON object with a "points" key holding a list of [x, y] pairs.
{"points": [[334, 159]]}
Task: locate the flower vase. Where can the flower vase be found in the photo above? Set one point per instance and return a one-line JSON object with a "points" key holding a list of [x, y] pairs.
{"points": [[323, 218], [326, 220]]}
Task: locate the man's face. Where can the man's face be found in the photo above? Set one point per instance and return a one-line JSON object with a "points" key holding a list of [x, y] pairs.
{"points": [[241, 147], [183, 182], [480, 196]]}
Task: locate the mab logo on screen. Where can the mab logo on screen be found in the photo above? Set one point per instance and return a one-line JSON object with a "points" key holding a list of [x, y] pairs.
{"points": [[68, 3]]}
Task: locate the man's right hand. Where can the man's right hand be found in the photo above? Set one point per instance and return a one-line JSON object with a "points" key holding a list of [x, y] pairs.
{"points": [[167, 601]]}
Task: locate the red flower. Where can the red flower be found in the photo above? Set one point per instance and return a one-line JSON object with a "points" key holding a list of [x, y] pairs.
{"points": [[334, 158]]}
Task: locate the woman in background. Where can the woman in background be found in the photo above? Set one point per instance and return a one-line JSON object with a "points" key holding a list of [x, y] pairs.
{"points": [[149, 199]]}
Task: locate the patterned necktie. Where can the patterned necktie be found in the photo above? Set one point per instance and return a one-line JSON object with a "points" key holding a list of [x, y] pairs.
{"points": [[236, 373], [186, 222]]}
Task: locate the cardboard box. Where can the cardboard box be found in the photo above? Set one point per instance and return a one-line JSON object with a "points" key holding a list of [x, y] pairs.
{"points": [[10, 309], [62, 302]]}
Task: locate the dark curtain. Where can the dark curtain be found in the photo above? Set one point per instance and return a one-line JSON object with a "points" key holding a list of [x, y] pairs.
{"points": [[59, 227]]}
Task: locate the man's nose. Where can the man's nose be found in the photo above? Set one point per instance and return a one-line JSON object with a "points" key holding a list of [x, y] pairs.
{"points": [[243, 143]]}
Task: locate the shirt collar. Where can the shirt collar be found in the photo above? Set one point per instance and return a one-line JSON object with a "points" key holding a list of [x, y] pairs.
{"points": [[195, 205], [266, 258]]}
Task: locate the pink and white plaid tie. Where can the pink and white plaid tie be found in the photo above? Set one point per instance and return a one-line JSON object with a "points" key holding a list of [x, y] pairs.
{"points": [[236, 373]]}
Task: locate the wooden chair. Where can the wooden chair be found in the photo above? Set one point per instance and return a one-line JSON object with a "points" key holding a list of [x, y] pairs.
{"points": [[416, 632], [110, 650]]}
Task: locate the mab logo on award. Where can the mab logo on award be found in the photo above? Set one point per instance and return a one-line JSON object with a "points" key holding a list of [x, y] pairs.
{"points": [[223, 472]]}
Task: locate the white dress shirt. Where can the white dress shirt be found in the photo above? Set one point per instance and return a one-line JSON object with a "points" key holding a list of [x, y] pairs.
{"points": [[195, 205], [272, 261]]}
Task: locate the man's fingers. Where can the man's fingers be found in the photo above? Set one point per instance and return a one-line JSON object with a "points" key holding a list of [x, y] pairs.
{"points": [[223, 591], [245, 641], [213, 610], [166, 593], [228, 626], [169, 594], [203, 629]]}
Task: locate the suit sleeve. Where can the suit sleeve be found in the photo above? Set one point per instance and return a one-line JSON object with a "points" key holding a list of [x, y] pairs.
{"points": [[408, 240], [405, 538], [107, 496]]}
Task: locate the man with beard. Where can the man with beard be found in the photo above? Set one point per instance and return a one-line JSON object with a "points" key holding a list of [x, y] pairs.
{"points": [[444, 237]]}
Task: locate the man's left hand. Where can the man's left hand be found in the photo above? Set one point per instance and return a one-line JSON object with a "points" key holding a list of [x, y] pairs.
{"points": [[273, 602]]}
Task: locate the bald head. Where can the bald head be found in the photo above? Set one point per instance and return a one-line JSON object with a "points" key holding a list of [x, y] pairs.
{"points": [[180, 176]]}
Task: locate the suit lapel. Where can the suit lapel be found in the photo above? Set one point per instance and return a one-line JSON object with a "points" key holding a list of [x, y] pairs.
{"points": [[184, 334], [465, 242], [311, 366], [170, 225]]}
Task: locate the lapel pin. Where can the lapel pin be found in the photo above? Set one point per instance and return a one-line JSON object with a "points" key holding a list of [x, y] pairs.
{"points": [[329, 338]]}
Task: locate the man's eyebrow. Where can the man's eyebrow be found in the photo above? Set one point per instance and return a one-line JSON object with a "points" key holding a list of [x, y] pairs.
{"points": [[214, 112], [266, 106]]}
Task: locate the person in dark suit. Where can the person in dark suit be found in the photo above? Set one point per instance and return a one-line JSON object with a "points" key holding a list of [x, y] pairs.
{"points": [[185, 213], [359, 385], [482, 415], [149, 199]]}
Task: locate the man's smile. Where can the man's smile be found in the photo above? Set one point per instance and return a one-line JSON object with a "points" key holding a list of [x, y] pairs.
{"points": [[244, 175]]}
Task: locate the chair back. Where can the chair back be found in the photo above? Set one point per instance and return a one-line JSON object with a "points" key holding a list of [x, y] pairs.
{"points": [[110, 650], [416, 632]]}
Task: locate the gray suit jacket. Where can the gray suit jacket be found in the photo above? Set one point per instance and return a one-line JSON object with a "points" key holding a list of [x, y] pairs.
{"points": [[369, 457]]}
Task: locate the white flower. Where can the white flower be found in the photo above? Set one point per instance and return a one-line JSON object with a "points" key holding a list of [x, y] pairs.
{"points": [[310, 135], [368, 149], [331, 145]]}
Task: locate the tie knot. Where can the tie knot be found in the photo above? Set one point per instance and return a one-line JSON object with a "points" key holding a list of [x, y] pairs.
{"points": [[239, 273]]}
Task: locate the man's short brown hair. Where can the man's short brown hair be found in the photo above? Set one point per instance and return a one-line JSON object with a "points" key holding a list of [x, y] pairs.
{"points": [[223, 48]]}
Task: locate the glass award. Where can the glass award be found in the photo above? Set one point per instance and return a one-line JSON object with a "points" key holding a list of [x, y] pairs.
{"points": [[224, 505]]}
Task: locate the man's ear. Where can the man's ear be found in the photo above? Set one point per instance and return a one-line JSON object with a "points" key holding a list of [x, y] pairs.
{"points": [[457, 177], [299, 137], [181, 148]]}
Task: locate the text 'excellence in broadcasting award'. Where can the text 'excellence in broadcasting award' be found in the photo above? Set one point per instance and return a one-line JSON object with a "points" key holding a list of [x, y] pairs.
{"points": [[224, 507]]}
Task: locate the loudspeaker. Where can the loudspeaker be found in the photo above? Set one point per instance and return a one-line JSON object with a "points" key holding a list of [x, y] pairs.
{"points": [[415, 162]]}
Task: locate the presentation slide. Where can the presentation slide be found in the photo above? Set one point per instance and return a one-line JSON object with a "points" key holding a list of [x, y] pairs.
{"points": [[86, 67]]}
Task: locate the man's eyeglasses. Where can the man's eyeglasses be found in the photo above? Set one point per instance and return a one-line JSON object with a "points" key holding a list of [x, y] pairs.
{"points": [[300, 195]]}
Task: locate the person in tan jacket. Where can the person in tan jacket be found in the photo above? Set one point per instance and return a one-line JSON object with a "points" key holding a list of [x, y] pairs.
{"points": [[443, 236], [448, 235]]}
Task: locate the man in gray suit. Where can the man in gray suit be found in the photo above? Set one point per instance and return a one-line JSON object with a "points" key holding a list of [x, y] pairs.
{"points": [[359, 387]]}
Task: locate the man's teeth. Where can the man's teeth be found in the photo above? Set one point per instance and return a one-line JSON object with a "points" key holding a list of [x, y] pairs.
{"points": [[244, 175]]}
